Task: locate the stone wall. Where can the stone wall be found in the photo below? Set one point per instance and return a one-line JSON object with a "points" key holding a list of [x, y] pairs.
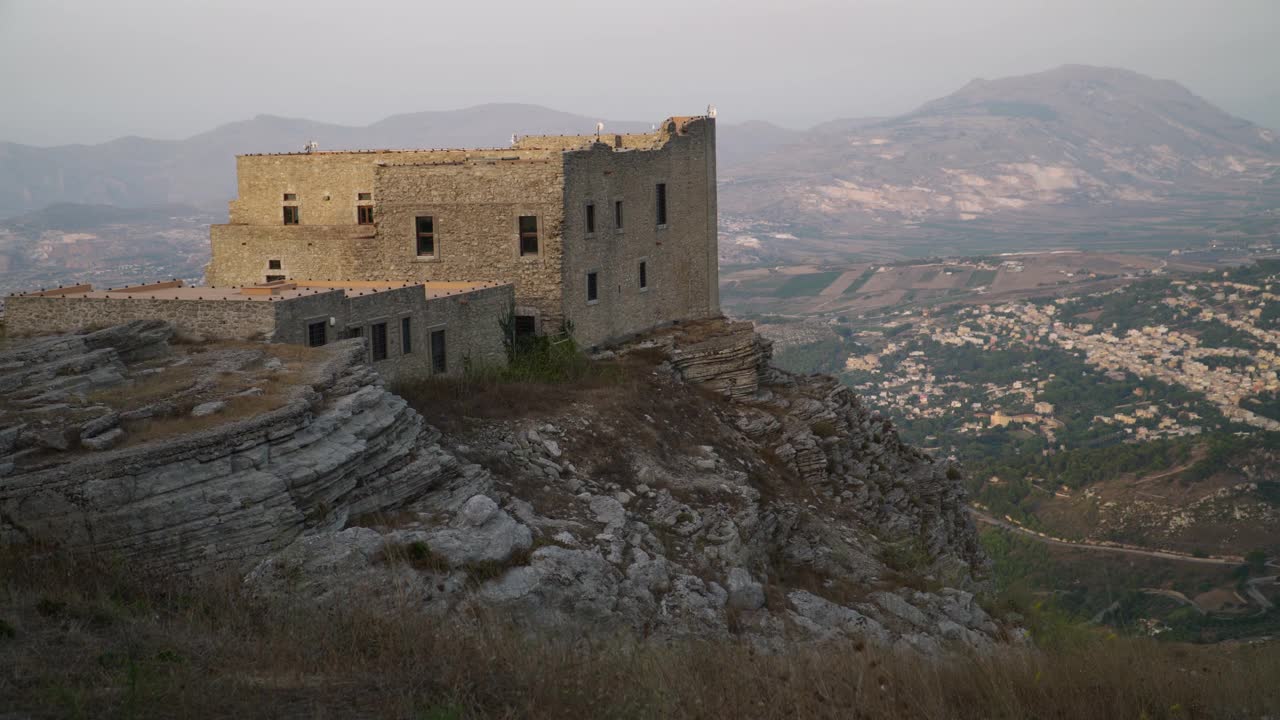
{"points": [[680, 258], [471, 321], [228, 319], [476, 198], [326, 184], [476, 210], [241, 253]]}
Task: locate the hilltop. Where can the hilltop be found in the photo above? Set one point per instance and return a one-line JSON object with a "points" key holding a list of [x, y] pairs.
{"points": [[1071, 154], [681, 488]]}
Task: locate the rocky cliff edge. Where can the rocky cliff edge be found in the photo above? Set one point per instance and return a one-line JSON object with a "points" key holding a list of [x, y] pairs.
{"points": [[697, 491]]}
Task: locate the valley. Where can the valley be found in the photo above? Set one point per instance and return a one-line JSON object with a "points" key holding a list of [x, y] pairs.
{"points": [[1097, 401], [102, 245]]}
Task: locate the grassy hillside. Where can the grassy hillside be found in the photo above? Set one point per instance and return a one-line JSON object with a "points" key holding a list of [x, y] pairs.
{"points": [[83, 641]]}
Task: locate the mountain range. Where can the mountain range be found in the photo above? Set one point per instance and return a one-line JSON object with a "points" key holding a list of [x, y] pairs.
{"points": [[1071, 145]]}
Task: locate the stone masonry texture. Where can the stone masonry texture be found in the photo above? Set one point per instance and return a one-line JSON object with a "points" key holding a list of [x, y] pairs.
{"points": [[475, 199]]}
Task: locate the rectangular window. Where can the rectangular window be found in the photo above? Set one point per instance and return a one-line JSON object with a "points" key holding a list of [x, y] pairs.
{"points": [[290, 214], [526, 326], [528, 235], [290, 197], [364, 215], [355, 332], [378, 341], [644, 275], [406, 338], [364, 197], [617, 214], [438, 355], [316, 333], [593, 287], [275, 278], [591, 218], [662, 203], [273, 264], [426, 228]]}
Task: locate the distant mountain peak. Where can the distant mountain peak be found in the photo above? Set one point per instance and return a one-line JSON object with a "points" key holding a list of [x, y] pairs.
{"points": [[1073, 140]]}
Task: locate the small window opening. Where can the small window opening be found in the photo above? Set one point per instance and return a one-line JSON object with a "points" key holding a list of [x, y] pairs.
{"points": [[528, 235], [273, 264], [593, 287], [438, 354], [591, 218], [291, 215], [316, 333], [364, 215], [406, 338], [355, 332], [617, 214], [426, 228], [364, 197], [662, 203], [290, 197], [644, 275], [378, 341], [275, 278], [526, 326]]}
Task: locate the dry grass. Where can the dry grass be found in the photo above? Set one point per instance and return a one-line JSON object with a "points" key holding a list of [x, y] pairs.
{"points": [[289, 353], [238, 408], [153, 388], [86, 643], [449, 402]]}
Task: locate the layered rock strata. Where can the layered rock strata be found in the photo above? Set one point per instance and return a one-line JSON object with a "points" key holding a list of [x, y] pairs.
{"points": [[225, 496]]}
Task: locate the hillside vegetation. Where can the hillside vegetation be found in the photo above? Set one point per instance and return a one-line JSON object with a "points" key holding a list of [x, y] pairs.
{"points": [[81, 641]]}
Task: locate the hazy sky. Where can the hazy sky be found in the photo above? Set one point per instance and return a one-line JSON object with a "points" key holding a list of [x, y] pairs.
{"points": [[97, 69]]}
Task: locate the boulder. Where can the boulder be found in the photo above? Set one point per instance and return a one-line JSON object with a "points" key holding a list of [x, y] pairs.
{"points": [[744, 592], [480, 533]]}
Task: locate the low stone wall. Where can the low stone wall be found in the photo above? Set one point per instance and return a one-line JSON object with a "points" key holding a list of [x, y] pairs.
{"points": [[226, 319], [471, 323]]}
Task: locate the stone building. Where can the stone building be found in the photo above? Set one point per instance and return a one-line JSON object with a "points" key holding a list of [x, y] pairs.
{"points": [[604, 235], [410, 329]]}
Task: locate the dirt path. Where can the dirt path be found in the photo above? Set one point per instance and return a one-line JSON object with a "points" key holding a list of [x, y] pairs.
{"points": [[1195, 459], [1177, 596], [1161, 554]]}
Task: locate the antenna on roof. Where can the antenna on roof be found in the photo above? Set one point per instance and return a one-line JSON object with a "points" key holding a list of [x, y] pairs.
{"points": [[311, 147], [711, 111]]}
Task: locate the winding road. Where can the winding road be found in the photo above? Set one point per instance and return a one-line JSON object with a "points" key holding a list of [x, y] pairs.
{"points": [[1161, 554]]}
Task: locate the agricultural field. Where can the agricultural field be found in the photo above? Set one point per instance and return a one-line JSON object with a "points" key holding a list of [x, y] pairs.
{"points": [[852, 289]]}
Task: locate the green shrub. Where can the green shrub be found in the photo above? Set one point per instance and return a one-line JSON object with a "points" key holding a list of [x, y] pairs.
{"points": [[907, 555], [824, 429]]}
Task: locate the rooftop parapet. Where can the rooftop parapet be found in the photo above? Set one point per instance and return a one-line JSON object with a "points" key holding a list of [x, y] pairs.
{"points": [[662, 134], [533, 147]]}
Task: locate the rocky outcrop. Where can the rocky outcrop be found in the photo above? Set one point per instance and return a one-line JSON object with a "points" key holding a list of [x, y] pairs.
{"points": [[776, 507], [796, 514], [822, 431], [730, 361], [226, 495]]}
